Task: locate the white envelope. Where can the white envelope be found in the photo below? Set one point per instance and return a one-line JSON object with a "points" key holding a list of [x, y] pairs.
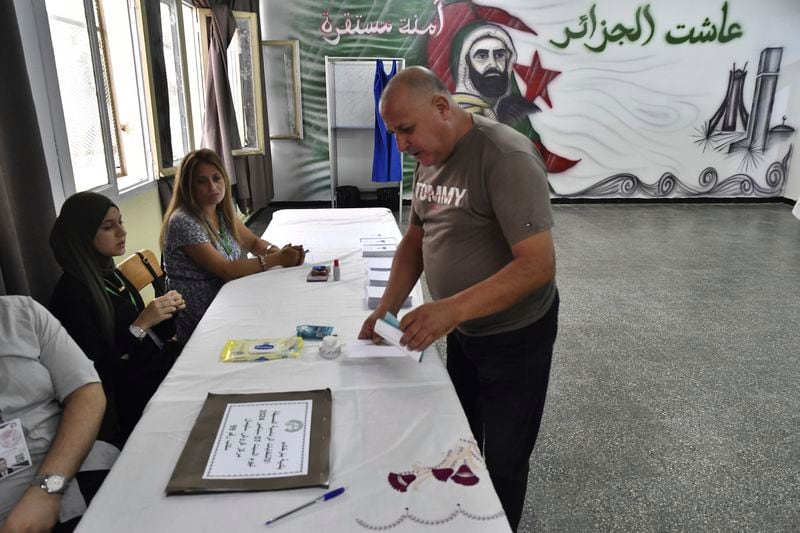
{"points": [[392, 335]]}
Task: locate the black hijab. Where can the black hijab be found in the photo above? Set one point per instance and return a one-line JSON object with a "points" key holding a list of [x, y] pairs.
{"points": [[72, 242]]}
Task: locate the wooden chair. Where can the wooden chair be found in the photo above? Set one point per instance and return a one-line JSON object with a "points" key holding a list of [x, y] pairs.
{"points": [[142, 269]]}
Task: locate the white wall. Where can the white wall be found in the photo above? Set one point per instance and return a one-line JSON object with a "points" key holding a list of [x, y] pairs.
{"points": [[630, 109], [792, 190]]}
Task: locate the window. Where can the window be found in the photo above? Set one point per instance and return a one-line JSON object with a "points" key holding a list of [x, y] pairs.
{"points": [[97, 61], [127, 77], [244, 77], [176, 46], [175, 80]]}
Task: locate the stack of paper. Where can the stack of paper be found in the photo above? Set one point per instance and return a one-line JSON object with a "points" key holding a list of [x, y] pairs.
{"points": [[379, 250], [374, 295], [379, 263], [378, 246], [378, 239], [377, 278]]}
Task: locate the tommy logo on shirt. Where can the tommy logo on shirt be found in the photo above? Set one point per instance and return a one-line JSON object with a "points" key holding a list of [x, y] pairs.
{"points": [[440, 194]]}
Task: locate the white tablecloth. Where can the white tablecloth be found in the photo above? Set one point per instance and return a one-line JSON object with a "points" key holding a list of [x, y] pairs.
{"points": [[397, 426]]}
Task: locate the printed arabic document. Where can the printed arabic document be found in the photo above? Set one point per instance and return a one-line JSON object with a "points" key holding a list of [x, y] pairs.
{"points": [[260, 441], [264, 439]]}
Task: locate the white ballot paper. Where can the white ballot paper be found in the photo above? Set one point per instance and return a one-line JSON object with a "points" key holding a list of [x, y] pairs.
{"points": [[261, 440], [366, 349], [375, 293]]}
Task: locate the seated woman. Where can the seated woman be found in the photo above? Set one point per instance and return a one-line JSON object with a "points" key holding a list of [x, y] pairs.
{"points": [[128, 341], [203, 240]]}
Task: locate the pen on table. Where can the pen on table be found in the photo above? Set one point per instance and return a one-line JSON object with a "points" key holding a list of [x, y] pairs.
{"points": [[325, 497]]}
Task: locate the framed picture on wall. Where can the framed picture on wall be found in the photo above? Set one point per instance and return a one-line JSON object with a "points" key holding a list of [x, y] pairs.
{"points": [[282, 79]]}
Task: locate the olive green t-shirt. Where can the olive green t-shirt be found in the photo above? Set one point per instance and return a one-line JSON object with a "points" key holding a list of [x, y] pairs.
{"points": [[491, 193]]}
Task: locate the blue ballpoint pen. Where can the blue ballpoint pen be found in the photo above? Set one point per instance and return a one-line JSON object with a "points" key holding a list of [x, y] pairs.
{"points": [[325, 497]]}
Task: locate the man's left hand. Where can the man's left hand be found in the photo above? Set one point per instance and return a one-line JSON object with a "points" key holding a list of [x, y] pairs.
{"points": [[427, 323]]}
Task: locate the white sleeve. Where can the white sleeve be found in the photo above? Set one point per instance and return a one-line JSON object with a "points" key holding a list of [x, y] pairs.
{"points": [[69, 367]]}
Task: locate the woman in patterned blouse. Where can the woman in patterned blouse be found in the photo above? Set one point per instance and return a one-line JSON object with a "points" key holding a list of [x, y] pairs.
{"points": [[205, 244]]}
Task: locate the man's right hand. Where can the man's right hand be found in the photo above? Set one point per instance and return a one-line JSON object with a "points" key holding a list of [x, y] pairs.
{"points": [[368, 327]]}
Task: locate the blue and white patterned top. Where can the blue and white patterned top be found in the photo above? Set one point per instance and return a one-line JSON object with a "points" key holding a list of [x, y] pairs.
{"points": [[197, 285]]}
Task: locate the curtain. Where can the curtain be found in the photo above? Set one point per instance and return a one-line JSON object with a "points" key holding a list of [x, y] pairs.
{"points": [[158, 71], [386, 161], [219, 122], [252, 175], [27, 211]]}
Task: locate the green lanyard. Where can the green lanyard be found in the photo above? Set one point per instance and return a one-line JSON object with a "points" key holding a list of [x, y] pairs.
{"points": [[224, 238], [122, 287]]}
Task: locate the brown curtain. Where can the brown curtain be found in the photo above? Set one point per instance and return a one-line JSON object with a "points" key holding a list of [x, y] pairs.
{"points": [[219, 123], [27, 211], [255, 172], [251, 174]]}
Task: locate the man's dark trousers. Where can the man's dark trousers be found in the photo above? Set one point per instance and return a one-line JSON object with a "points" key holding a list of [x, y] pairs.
{"points": [[501, 381]]}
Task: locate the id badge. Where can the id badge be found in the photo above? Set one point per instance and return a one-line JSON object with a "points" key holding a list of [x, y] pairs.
{"points": [[14, 454]]}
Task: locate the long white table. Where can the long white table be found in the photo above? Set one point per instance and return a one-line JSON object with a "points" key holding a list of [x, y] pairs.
{"points": [[397, 426]]}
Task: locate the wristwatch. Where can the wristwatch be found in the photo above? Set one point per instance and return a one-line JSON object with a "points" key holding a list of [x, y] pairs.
{"points": [[51, 483], [137, 332]]}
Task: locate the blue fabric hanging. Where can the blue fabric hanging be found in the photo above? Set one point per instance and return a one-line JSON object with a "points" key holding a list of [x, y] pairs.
{"points": [[385, 157]]}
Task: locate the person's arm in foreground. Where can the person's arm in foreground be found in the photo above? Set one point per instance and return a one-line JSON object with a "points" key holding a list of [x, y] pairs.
{"points": [[77, 431], [406, 270], [533, 266]]}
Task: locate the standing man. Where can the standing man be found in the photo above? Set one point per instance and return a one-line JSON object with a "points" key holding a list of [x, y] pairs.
{"points": [[480, 228]]}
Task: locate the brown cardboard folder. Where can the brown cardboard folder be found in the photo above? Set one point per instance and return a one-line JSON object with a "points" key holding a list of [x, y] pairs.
{"points": [[187, 478]]}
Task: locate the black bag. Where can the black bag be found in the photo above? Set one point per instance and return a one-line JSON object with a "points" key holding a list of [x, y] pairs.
{"points": [[389, 197], [348, 196]]}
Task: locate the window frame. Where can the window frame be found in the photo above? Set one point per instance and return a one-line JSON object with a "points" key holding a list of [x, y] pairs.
{"points": [[64, 184], [202, 14], [147, 69]]}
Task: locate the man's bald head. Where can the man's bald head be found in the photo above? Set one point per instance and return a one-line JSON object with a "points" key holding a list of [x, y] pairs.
{"points": [[419, 82]]}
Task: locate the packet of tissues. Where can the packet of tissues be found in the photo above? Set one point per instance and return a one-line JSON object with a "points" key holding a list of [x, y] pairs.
{"points": [[239, 350], [314, 332]]}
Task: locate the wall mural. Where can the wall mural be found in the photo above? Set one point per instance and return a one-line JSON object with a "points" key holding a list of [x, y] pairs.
{"points": [[622, 99]]}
